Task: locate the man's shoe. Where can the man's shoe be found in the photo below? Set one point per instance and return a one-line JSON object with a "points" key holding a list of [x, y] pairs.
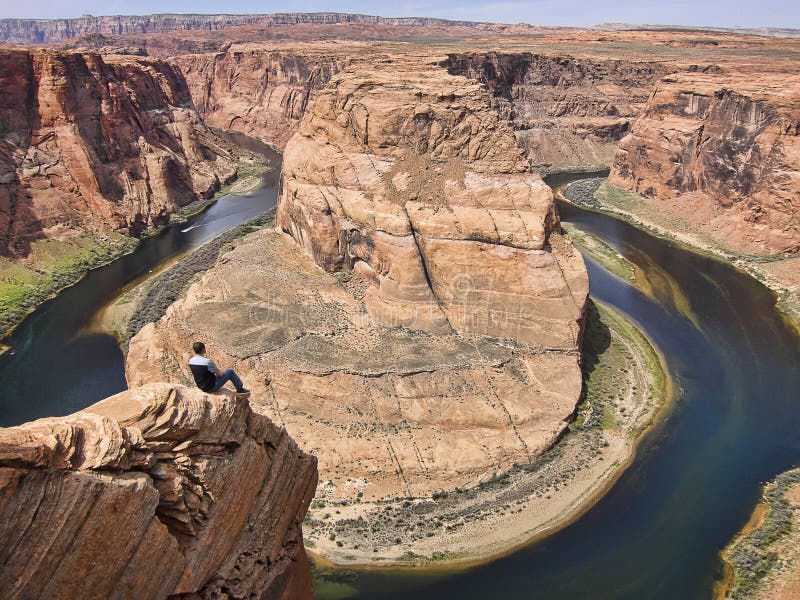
{"points": [[243, 391]]}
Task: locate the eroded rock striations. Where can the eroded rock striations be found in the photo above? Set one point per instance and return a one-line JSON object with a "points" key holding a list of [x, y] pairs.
{"points": [[567, 112], [255, 89], [724, 150], [156, 492], [407, 176], [97, 142], [439, 345]]}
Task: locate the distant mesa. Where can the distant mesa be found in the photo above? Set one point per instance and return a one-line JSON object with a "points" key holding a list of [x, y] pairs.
{"points": [[40, 31], [48, 31]]}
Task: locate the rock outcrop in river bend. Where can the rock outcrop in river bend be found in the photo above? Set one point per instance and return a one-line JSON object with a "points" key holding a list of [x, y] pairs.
{"points": [[440, 343]]}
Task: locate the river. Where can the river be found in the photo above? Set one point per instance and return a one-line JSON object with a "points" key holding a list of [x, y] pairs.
{"points": [[656, 534], [59, 362]]}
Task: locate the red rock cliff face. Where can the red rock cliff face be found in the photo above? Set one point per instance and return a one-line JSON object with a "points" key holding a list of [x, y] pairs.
{"points": [[156, 492], [566, 111], [256, 90], [453, 324], [98, 142], [726, 143]]}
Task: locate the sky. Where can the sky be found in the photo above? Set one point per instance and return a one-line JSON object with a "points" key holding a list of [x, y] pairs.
{"points": [[718, 13]]}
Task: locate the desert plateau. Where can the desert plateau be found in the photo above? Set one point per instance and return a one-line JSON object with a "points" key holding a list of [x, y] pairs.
{"points": [[334, 305]]}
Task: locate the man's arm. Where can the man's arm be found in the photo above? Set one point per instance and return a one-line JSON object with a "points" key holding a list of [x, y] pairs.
{"points": [[214, 368]]}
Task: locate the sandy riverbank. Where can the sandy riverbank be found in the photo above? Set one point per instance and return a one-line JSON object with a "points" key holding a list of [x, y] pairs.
{"points": [[627, 387], [763, 560]]}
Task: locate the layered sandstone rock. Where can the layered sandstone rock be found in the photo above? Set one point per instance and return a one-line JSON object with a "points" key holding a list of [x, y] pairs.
{"points": [[408, 176], [389, 412], [441, 346], [722, 150], [568, 112], [98, 142], [152, 493], [260, 91]]}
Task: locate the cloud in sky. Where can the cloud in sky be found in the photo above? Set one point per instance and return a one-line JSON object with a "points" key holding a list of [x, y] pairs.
{"points": [[720, 13]]}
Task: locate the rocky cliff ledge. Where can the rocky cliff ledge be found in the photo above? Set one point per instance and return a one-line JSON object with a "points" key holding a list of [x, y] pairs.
{"points": [[98, 143], [156, 492], [721, 151], [440, 344]]}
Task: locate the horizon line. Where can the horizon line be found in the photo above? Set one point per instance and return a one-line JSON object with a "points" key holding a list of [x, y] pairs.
{"points": [[430, 18]]}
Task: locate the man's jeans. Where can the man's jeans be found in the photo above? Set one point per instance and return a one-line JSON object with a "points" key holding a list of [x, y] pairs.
{"points": [[229, 375]]}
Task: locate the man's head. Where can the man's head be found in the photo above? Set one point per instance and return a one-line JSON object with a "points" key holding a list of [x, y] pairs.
{"points": [[199, 348]]}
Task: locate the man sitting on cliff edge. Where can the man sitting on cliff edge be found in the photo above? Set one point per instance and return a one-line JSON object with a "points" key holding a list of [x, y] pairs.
{"points": [[207, 375]]}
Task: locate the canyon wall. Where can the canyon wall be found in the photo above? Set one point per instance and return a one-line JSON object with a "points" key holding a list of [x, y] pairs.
{"points": [[260, 91], [722, 150], [98, 142], [439, 345], [37, 31], [567, 112], [157, 492]]}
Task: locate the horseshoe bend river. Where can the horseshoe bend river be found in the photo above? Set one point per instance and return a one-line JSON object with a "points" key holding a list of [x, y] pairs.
{"points": [[656, 534]]}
